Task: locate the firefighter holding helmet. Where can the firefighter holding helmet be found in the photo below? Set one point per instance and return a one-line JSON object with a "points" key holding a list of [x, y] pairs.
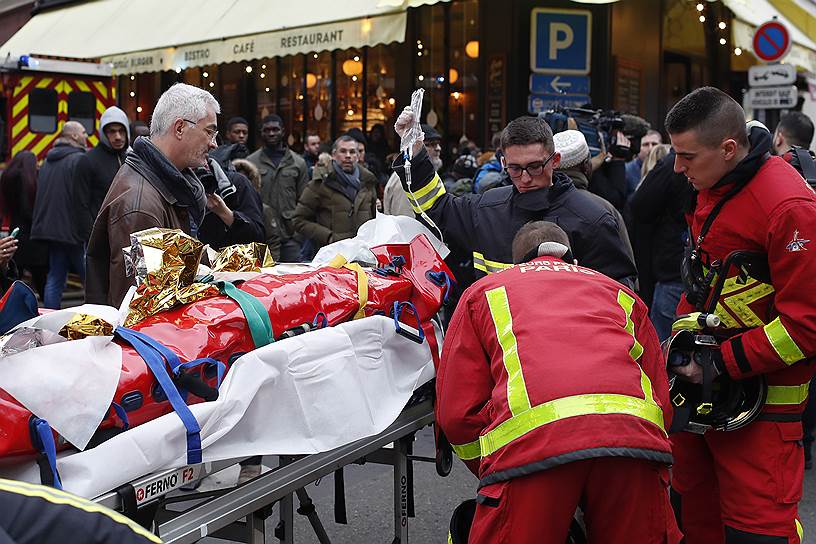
{"points": [[747, 325]]}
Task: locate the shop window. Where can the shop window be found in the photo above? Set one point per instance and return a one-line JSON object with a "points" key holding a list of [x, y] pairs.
{"points": [[42, 110], [463, 73], [291, 99], [82, 109], [319, 94], [349, 110], [430, 65], [266, 93]]}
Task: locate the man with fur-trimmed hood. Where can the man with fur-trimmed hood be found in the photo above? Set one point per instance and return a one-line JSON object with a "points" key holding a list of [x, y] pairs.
{"points": [[96, 169]]}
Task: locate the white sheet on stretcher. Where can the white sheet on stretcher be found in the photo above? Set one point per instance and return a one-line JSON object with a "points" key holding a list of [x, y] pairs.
{"points": [[69, 384], [306, 394]]}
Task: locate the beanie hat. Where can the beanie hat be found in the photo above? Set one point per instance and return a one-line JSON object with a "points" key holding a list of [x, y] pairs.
{"points": [[573, 148]]}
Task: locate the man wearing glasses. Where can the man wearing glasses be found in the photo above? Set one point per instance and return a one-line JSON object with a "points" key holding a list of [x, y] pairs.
{"points": [[486, 224], [155, 187]]}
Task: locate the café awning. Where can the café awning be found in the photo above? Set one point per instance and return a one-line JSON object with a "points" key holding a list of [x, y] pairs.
{"points": [[156, 35]]}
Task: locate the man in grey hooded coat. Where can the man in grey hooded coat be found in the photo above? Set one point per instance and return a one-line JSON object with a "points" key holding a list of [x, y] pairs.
{"points": [[96, 169]]}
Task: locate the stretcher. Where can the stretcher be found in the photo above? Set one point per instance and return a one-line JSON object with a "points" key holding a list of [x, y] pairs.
{"points": [[239, 513]]}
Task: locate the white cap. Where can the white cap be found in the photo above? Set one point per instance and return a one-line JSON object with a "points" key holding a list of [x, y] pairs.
{"points": [[573, 148]]}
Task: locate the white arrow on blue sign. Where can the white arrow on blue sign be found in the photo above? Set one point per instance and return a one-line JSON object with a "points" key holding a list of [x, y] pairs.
{"points": [[560, 41], [541, 84]]}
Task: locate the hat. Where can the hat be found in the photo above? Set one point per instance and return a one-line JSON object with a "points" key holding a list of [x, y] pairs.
{"points": [[573, 148], [430, 133]]}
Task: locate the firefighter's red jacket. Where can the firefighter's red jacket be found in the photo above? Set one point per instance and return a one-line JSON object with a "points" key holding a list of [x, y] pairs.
{"points": [[546, 363], [772, 324]]}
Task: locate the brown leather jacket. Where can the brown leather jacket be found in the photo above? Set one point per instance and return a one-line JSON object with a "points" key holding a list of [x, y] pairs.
{"points": [[133, 203]]}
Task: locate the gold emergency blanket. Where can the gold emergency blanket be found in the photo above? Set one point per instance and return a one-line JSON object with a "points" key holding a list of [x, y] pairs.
{"points": [[83, 325], [166, 262], [243, 258]]}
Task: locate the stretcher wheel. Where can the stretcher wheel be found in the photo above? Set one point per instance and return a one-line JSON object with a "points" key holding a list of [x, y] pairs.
{"points": [[444, 461]]}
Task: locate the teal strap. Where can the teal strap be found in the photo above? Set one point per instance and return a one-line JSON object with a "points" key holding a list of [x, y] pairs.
{"points": [[256, 315]]}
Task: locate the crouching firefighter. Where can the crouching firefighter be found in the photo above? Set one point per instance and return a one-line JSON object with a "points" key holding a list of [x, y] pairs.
{"points": [[747, 329], [552, 389]]}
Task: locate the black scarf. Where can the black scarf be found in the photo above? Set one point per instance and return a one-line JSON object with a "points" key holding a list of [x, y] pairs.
{"points": [[349, 183], [184, 186]]}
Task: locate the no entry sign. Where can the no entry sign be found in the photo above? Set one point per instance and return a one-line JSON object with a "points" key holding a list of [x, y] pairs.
{"points": [[772, 41]]}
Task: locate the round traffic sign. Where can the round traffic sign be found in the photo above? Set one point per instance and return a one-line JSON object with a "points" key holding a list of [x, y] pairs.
{"points": [[772, 41]]}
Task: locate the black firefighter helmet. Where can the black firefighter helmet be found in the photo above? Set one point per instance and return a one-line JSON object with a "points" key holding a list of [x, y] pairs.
{"points": [[720, 402]]}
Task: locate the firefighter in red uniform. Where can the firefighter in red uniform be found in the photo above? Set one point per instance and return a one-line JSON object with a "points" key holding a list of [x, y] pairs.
{"points": [[743, 486], [553, 390]]}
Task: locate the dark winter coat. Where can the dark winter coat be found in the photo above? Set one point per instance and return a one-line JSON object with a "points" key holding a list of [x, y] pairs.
{"points": [[247, 209], [659, 203], [281, 186], [325, 213], [55, 213]]}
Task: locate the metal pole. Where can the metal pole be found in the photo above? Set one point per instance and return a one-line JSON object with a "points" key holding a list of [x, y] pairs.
{"points": [[400, 492]]}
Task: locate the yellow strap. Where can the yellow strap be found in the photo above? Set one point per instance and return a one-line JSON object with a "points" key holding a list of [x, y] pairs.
{"points": [[787, 394], [468, 451], [499, 305], [362, 281], [362, 288], [558, 409], [782, 343], [56, 496]]}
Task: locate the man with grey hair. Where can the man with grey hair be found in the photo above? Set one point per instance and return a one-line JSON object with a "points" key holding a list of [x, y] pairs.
{"points": [[335, 204], [155, 187]]}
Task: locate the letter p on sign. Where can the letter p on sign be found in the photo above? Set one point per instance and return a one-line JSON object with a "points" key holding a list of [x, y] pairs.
{"points": [[561, 37], [560, 41]]}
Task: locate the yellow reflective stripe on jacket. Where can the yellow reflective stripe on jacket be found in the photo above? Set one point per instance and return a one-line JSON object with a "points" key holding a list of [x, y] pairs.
{"points": [[578, 405], [782, 343], [486, 265], [499, 305], [56, 496], [424, 198], [468, 451], [787, 394], [688, 322], [799, 530], [628, 303]]}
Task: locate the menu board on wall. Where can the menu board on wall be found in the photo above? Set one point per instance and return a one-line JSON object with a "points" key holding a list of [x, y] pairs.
{"points": [[496, 95], [628, 88]]}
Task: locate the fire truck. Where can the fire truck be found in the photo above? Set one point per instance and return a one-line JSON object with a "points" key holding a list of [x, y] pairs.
{"points": [[38, 95]]}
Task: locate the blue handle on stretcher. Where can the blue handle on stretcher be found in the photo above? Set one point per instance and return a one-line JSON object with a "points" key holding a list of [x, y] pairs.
{"points": [[47, 447], [399, 308], [155, 355]]}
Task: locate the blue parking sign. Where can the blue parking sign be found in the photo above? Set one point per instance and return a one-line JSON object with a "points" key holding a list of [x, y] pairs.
{"points": [[561, 41]]}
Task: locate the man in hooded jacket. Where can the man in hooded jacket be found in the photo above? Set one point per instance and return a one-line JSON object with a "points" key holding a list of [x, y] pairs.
{"points": [[96, 169]]}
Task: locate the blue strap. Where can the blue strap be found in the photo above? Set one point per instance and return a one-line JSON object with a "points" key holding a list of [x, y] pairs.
{"points": [[122, 415], [155, 355], [441, 278], [48, 447], [320, 321], [222, 368]]}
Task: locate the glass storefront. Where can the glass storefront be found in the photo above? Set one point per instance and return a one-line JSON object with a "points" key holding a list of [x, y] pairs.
{"points": [[329, 92]]}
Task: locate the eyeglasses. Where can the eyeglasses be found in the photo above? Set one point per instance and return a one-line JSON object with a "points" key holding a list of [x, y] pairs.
{"points": [[211, 132], [533, 169]]}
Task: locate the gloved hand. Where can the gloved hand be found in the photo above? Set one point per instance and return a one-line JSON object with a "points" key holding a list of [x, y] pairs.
{"points": [[403, 124]]}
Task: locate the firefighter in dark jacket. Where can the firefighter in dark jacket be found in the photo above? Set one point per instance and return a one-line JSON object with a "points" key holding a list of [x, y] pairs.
{"points": [[485, 224], [234, 210]]}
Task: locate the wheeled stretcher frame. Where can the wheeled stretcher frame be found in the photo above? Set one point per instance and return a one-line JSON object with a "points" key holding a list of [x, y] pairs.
{"points": [[239, 513]]}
